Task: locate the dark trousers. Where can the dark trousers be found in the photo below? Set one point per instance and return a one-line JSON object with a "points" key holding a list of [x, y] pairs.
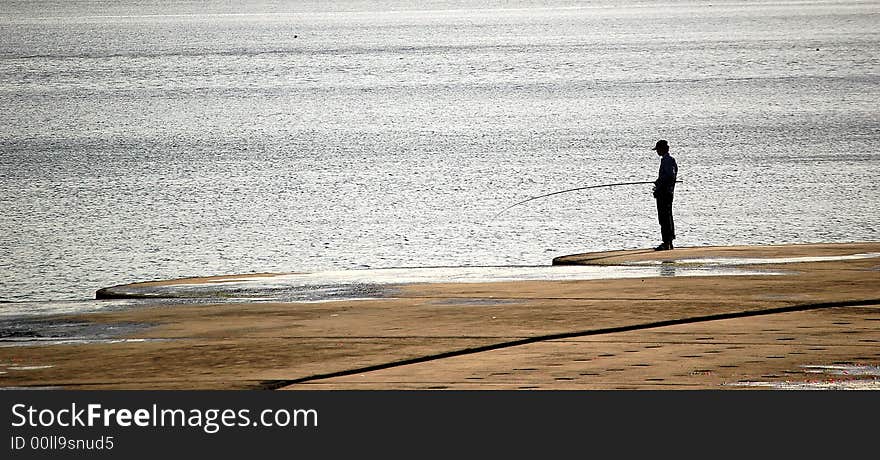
{"points": [[664, 215]]}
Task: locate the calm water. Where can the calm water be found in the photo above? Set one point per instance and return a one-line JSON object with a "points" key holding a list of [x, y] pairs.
{"points": [[140, 141]]}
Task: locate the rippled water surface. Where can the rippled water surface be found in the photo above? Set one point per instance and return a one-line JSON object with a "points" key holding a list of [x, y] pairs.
{"points": [[858, 377], [144, 141]]}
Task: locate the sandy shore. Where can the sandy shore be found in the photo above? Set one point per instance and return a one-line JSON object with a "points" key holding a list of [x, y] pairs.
{"points": [[816, 326]]}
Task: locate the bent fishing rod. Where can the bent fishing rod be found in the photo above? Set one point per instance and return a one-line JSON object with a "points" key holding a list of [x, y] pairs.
{"points": [[571, 190]]}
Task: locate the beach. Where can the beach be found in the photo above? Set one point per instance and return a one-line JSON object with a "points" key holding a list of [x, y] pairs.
{"points": [[804, 317], [318, 194]]}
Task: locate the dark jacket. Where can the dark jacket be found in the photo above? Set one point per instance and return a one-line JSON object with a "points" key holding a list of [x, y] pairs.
{"points": [[665, 183]]}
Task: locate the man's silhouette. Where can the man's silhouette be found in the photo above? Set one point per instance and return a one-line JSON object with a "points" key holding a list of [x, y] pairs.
{"points": [[664, 188]]}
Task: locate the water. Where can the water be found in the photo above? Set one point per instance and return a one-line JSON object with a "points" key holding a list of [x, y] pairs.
{"points": [[830, 377], [734, 261], [375, 283], [144, 141]]}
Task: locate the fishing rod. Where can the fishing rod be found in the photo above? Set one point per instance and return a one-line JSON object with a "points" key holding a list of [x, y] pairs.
{"points": [[571, 190]]}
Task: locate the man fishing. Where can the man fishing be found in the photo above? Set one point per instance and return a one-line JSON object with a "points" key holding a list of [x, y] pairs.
{"points": [[664, 188]]}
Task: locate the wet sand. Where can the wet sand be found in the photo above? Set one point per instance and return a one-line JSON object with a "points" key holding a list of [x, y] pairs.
{"points": [[817, 326]]}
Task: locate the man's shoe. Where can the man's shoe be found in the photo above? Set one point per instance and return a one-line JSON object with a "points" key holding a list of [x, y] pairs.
{"points": [[662, 247]]}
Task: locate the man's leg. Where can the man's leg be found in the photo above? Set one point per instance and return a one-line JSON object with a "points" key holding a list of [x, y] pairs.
{"points": [[664, 216]]}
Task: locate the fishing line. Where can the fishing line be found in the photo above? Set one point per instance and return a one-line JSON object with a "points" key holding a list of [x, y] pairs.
{"points": [[570, 190]]}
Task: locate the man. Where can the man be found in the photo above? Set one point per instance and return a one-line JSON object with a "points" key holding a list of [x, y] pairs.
{"points": [[664, 187]]}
